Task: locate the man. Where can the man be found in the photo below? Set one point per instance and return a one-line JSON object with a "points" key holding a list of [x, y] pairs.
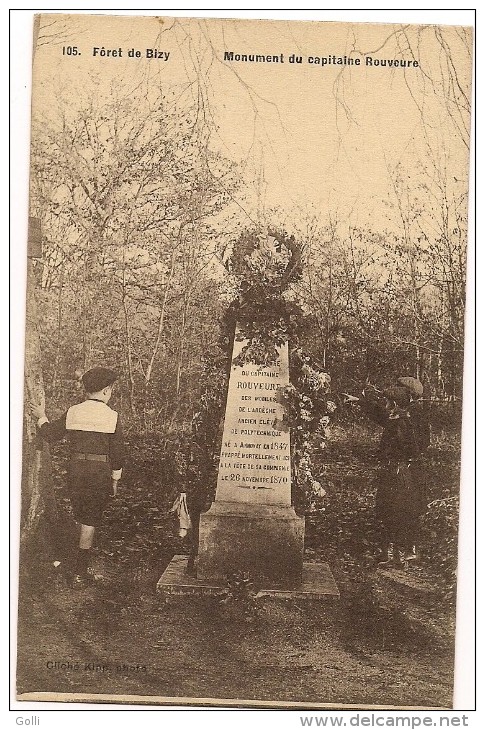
{"points": [[96, 457]]}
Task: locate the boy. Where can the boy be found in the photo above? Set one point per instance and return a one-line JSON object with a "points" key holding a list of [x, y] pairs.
{"points": [[96, 457], [401, 479]]}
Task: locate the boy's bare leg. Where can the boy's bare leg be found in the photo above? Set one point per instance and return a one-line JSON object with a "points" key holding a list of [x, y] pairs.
{"points": [[86, 537], [385, 543], [396, 555]]}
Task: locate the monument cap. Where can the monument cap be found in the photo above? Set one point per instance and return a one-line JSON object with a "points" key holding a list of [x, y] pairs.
{"points": [[98, 378]]}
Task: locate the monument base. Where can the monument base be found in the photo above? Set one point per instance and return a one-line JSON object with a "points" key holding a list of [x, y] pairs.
{"points": [[265, 541], [317, 583]]}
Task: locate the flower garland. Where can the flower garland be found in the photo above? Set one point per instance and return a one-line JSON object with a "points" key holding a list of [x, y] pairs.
{"points": [[308, 410]]}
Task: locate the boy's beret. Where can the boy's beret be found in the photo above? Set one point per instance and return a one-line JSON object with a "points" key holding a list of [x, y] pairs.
{"points": [[96, 379], [414, 386]]}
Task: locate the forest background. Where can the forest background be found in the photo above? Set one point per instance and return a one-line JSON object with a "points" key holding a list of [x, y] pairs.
{"points": [[141, 200]]}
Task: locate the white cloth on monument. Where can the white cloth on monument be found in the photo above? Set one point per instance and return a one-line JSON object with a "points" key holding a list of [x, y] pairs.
{"points": [[180, 509]]}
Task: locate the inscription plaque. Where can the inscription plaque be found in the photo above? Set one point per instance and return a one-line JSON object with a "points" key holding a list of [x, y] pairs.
{"points": [[255, 454]]}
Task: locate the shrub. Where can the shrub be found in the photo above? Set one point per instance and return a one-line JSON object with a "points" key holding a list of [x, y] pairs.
{"points": [[440, 541]]}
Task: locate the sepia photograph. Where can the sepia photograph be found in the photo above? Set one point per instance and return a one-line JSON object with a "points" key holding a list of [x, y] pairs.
{"points": [[244, 362]]}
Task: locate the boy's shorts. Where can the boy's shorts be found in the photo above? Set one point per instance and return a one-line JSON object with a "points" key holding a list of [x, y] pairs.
{"points": [[89, 490]]}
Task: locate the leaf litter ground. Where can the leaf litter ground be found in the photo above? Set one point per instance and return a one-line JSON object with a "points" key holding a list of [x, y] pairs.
{"points": [[387, 641]]}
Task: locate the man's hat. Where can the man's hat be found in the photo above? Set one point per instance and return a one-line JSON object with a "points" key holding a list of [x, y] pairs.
{"points": [[96, 379], [414, 386]]}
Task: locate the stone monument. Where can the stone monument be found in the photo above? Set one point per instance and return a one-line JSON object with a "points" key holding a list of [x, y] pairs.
{"points": [[252, 526]]}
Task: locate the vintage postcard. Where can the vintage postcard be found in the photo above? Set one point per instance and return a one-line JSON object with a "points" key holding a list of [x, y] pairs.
{"points": [[244, 362]]}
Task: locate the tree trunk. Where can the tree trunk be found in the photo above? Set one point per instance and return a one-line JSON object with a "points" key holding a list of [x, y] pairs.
{"points": [[38, 506], [59, 332], [180, 356], [38, 501], [129, 354]]}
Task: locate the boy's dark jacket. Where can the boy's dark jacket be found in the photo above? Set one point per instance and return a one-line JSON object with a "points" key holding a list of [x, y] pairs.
{"points": [[92, 427]]}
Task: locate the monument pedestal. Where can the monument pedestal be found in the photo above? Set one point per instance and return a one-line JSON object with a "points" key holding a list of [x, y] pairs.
{"points": [[263, 540], [317, 584]]}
